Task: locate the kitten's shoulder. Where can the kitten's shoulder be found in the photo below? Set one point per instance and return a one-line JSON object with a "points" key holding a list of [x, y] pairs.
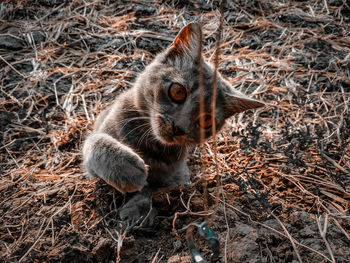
{"points": [[111, 113]]}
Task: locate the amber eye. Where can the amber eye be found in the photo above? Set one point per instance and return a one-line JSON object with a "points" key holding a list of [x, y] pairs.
{"points": [[205, 121], [177, 93]]}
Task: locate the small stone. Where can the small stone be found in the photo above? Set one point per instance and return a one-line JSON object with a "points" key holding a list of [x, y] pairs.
{"points": [[197, 203], [243, 229], [11, 42], [335, 2], [38, 37], [174, 259], [180, 259]]}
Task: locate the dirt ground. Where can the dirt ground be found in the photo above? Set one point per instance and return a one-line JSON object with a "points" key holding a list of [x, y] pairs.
{"points": [[284, 169]]}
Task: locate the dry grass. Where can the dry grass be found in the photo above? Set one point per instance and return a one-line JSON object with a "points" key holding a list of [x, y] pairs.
{"points": [[292, 155]]}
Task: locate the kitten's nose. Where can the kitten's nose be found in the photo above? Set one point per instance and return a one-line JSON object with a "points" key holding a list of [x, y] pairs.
{"points": [[177, 131]]}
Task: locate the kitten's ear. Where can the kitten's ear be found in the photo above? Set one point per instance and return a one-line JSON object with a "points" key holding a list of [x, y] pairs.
{"points": [[187, 43], [236, 102]]}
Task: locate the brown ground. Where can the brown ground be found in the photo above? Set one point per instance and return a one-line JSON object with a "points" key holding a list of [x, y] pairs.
{"points": [[284, 169]]}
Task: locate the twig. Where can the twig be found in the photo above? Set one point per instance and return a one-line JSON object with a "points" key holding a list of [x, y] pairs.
{"points": [[213, 101], [335, 164], [155, 258], [15, 70], [289, 236], [323, 232]]}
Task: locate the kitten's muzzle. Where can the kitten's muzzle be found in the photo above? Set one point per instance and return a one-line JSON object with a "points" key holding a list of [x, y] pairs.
{"points": [[179, 135], [178, 131], [171, 133]]}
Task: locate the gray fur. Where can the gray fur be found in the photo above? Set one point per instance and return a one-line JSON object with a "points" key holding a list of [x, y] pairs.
{"points": [[135, 141]]}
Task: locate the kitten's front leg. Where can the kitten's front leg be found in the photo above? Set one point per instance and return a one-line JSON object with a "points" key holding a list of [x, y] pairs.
{"points": [[139, 208], [114, 162], [180, 175]]}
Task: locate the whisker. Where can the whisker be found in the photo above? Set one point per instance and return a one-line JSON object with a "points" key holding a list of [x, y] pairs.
{"points": [[126, 121], [133, 110], [137, 127], [144, 136]]}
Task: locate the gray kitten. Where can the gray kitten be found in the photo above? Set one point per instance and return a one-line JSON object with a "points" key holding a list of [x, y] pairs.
{"points": [[141, 141]]}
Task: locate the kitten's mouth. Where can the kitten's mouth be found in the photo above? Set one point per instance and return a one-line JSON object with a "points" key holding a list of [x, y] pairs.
{"points": [[175, 140], [170, 139], [182, 139]]}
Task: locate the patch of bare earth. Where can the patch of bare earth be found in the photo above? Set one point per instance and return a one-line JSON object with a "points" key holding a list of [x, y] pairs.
{"points": [[284, 169]]}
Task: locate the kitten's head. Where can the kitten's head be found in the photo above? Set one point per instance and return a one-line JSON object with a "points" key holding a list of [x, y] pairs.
{"points": [[169, 91]]}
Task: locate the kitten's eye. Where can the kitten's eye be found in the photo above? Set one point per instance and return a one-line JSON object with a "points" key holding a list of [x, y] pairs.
{"points": [[205, 121], [177, 93]]}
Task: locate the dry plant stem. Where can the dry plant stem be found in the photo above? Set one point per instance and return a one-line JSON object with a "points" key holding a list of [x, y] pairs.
{"points": [[119, 239], [346, 234], [155, 258], [188, 211], [289, 236], [148, 214], [201, 110], [213, 102], [227, 226], [323, 232], [13, 68], [204, 214], [336, 164]]}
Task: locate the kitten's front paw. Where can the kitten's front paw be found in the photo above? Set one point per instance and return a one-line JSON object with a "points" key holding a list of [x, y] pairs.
{"points": [[114, 162], [131, 174], [138, 210]]}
